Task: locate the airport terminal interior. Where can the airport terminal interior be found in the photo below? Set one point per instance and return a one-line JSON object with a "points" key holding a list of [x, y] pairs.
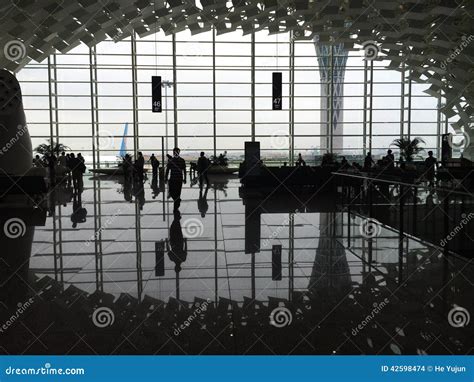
{"points": [[236, 177]]}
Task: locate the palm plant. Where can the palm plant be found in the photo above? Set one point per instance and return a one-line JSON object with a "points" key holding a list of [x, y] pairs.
{"points": [[48, 148], [409, 148]]}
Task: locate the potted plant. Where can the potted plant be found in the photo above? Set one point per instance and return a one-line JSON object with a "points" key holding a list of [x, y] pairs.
{"points": [[409, 148], [47, 148]]}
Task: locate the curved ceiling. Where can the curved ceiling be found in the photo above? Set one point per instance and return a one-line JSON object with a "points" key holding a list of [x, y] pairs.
{"points": [[431, 38]]}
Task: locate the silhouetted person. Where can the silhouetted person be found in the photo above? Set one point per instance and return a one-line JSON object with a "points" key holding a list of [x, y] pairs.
{"points": [[300, 161], [37, 161], [203, 206], [155, 165], [176, 169], [140, 167], [79, 214], [202, 167], [390, 159], [63, 159], [177, 247], [431, 164], [69, 168], [344, 163], [51, 161], [368, 162], [77, 171]]}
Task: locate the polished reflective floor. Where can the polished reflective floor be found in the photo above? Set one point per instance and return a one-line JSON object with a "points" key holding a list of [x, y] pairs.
{"points": [[113, 270]]}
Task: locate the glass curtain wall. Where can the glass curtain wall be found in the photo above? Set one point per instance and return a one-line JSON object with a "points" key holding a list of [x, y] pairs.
{"points": [[218, 95]]}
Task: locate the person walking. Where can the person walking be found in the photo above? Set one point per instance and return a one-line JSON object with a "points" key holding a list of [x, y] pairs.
{"points": [[176, 170], [155, 165]]}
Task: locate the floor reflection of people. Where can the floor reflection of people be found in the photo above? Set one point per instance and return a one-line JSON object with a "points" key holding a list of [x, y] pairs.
{"points": [[127, 188], [139, 193], [177, 246], [176, 169], [203, 206], [79, 213], [155, 187]]}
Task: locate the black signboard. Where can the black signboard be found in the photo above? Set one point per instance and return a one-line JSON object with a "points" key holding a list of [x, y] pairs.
{"points": [[156, 94], [159, 258], [276, 90], [276, 262]]}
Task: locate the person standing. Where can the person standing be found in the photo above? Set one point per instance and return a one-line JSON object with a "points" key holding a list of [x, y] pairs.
{"points": [[431, 164], [202, 167], [368, 162], [300, 161], [140, 166], [76, 169], [176, 169], [155, 165], [390, 159]]}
